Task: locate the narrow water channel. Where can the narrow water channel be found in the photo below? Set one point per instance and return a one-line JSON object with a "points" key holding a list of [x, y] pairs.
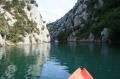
{"points": [[58, 61]]}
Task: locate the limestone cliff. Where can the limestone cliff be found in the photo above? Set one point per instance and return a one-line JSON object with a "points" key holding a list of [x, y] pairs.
{"points": [[21, 23], [89, 20]]}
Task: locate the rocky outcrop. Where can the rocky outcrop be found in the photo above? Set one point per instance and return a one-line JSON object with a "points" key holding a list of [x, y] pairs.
{"points": [[21, 23], [69, 26], [88, 20], [2, 43], [72, 22], [105, 34]]}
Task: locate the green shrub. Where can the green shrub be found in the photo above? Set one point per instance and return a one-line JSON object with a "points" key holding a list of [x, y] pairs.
{"points": [[7, 6], [3, 25], [63, 35], [29, 7]]}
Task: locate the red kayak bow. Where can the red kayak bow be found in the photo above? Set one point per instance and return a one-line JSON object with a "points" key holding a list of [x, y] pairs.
{"points": [[81, 73]]}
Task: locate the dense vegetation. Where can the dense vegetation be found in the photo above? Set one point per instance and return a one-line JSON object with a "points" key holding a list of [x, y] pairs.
{"points": [[109, 17]]}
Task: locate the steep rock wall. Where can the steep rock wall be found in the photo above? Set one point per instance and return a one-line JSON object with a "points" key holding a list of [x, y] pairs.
{"points": [[21, 23], [89, 20]]}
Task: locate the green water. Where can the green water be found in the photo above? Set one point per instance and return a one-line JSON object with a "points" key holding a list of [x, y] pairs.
{"points": [[58, 61]]}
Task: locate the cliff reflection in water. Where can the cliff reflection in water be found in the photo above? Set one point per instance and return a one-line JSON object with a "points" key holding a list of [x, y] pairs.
{"points": [[101, 60], [23, 62]]}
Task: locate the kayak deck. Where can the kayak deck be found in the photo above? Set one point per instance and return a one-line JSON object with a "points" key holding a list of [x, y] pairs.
{"points": [[81, 73]]}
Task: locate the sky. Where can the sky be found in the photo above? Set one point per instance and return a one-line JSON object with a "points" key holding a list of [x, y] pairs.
{"points": [[51, 10]]}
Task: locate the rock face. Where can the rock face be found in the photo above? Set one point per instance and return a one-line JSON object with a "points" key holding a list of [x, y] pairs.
{"points": [[88, 20], [2, 41], [21, 23], [105, 34]]}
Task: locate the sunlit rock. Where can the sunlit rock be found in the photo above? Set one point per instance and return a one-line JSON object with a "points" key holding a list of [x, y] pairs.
{"points": [[105, 34], [22, 23], [2, 41]]}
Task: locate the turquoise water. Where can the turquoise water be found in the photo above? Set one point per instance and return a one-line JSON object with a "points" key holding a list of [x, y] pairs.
{"points": [[58, 61]]}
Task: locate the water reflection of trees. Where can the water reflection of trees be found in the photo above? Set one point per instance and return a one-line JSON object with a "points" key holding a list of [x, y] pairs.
{"points": [[23, 62]]}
